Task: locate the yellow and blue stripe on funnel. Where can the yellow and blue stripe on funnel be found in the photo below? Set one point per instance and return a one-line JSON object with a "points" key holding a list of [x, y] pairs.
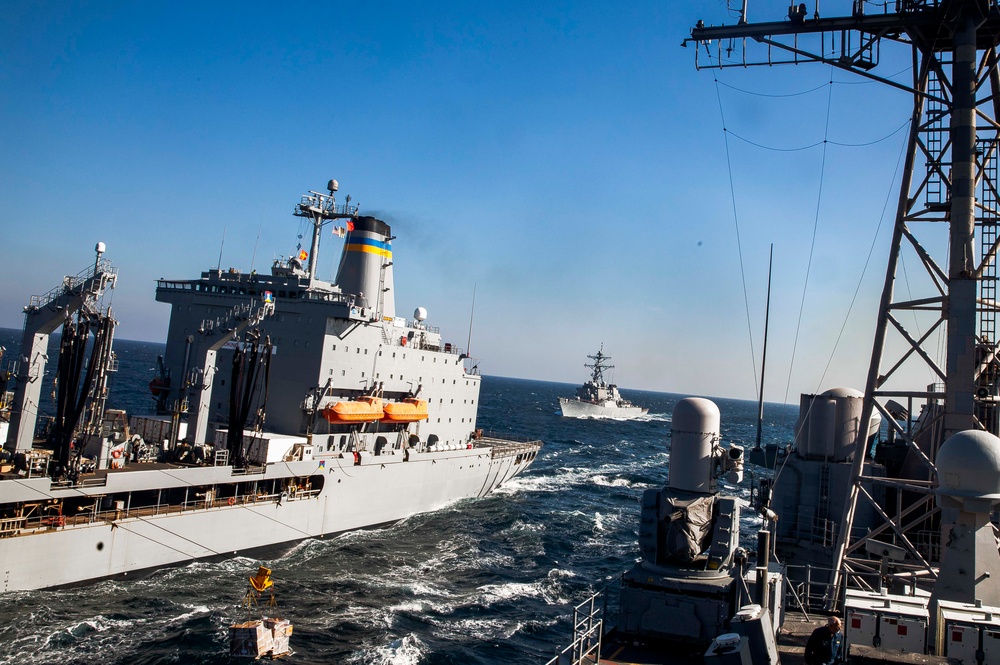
{"points": [[358, 243]]}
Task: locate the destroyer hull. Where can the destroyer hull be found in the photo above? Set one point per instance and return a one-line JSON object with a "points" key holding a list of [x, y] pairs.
{"points": [[381, 490], [574, 408]]}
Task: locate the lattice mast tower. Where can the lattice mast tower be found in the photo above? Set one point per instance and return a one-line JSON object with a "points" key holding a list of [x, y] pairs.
{"points": [[949, 177]]}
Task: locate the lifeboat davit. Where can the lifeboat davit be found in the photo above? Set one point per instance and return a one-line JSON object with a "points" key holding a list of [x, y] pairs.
{"points": [[410, 410], [361, 410]]}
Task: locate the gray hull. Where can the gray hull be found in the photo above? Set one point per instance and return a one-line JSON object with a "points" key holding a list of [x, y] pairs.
{"points": [[381, 490], [574, 408]]}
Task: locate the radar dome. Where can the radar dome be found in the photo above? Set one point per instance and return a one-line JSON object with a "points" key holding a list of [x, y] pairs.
{"points": [[100, 248], [693, 434], [968, 465], [420, 314], [333, 185]]}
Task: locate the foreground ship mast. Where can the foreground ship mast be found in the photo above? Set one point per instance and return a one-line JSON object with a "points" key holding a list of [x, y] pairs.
{"points": [[954, 128]]}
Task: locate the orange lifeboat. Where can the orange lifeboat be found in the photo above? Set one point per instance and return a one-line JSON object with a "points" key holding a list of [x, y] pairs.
{"points": [[361, 410], [410, 410]]}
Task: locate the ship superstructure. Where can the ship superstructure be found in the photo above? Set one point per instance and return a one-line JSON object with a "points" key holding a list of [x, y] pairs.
{"points": [[291, 408], [598, 399], [886, 517], [897, 533]]}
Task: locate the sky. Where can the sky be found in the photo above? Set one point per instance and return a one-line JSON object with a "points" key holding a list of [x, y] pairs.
{"points": [[564, 161]]}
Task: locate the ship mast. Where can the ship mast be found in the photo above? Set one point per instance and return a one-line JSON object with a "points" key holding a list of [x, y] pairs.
{"points": [[953, 48], [321, 209], [598, 366]]}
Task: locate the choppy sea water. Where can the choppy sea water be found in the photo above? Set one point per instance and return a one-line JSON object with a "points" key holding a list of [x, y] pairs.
{"points": [[489, 580]]}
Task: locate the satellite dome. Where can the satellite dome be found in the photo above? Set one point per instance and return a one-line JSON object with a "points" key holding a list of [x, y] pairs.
{"points": [[420, 314], [693, 434], [696, 414], [843, 392], [968, 465], [333, 185]]}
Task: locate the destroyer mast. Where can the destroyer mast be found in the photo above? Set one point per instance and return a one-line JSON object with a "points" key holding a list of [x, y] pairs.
{"points": [[950, 177]]}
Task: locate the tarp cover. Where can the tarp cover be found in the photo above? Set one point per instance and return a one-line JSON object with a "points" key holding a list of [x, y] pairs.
{"points": [[684, 523]]}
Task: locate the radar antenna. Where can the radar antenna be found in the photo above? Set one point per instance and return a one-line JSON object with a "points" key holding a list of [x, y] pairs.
{"points": [[599, 365]]}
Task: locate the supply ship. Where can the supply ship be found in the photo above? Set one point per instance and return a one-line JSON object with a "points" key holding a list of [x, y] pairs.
{"points": [[883, 510], [288, 408], [598, 399]]}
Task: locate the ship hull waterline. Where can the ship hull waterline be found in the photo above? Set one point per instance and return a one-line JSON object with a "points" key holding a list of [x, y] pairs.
{"points": [[574, 408], [381, 491]]}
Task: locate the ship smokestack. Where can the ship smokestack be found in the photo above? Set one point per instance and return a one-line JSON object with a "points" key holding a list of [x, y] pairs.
{"points": [[366, 266]]}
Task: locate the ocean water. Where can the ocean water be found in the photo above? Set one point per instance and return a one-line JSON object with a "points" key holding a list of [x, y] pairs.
{"points": [[489, 580]]}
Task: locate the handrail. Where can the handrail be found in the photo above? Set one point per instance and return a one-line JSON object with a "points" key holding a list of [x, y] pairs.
{"points": [[588, 632], [71, 282], [24, 525]]}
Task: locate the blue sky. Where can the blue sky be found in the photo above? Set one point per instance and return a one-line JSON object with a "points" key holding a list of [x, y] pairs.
{"points": [[565, 159]]}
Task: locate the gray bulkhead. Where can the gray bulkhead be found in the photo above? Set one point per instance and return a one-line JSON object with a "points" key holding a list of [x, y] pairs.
{"points": [[324, 337]]}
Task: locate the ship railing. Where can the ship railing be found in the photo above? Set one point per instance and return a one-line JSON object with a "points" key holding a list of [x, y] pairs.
{"points": [[87, 481], [510, 450], [814, 530], [808, 587], [502, 437], [249, 469], [928, 543], [71, 283], [253, 285], [588, 631], [16, 525], [507, 447], [811, 587], [417, 325], [446, 347], [11, 526]]}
